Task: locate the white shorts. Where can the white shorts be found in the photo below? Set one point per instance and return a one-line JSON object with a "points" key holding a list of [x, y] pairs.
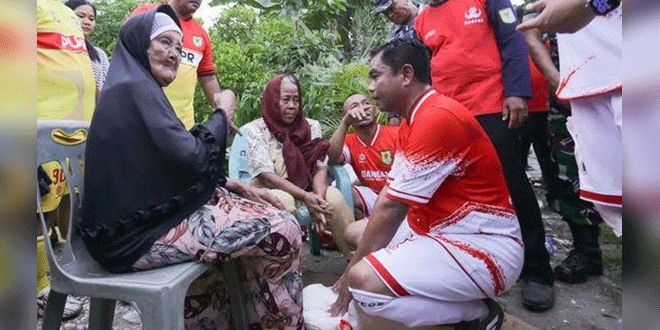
{"points": [[595, 125], [452, 266], [368, 197]]}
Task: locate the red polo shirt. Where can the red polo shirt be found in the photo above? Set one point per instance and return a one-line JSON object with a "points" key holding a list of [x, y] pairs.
{"points": [[465, 62]]}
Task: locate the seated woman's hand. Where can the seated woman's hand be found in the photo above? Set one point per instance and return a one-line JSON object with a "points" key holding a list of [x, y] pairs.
{"points": [[226, 100], [269, 198], [262, 196], [316, 203], [319, 221], [318, 208], [258, 195]]}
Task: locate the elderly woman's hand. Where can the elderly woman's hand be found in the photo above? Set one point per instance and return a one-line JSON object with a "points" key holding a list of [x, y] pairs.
{"points": [[258, 195], [226, 100], [319, 221], [264, 196], [318, 208]]}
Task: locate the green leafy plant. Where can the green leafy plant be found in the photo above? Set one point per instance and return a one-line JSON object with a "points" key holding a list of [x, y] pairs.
{"points": [[111, 14], [325, 42]]}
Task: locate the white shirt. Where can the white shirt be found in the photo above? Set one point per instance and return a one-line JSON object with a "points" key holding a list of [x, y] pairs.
{"points": [[590, 59]]}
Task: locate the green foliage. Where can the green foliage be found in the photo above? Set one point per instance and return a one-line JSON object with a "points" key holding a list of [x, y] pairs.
{"points": [[252, 44], [235, 24], [111, 14], [326, 43]]}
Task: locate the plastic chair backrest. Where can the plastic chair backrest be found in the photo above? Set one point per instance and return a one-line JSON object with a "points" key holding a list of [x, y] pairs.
{"points": [[238, 163], [64, 141]]}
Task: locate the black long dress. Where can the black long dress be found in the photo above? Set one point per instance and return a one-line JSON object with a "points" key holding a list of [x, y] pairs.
{"points": [[144, 172]]}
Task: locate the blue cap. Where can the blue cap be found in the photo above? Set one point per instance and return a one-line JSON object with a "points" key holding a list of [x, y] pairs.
{"points": [[382, 5]]}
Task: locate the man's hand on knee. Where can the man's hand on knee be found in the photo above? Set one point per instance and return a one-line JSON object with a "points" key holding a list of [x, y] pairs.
{"points": [[344, 297], [360, 277]]}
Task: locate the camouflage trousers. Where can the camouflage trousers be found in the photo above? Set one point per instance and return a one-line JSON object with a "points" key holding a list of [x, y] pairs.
{"points": [[570, 206], [266, 242]]}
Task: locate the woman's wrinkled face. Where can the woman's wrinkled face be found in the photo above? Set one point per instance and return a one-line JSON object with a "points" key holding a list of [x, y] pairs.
{"points": [[164, 56], [289, 101], [87, 19]]}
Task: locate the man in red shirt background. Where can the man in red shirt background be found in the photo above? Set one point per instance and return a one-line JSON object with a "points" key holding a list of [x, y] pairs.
{"points": [[369, 150], [534, 133]]}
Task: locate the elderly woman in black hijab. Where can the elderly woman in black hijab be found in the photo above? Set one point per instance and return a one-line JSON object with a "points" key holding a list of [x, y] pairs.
{"points": [[155, 193]]}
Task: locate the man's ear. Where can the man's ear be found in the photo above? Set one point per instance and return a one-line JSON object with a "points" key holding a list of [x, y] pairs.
{"points": [[408, 74]]}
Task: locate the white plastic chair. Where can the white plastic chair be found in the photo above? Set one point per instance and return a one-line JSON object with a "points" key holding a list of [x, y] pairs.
{"points": [[158, 293]]}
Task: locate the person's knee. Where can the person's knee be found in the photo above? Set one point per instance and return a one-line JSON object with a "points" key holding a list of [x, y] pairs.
{"points": [[351, 236], [359, 276], [353, 232], [341, 214], [286, 199], [362, 277], [334, 198]]}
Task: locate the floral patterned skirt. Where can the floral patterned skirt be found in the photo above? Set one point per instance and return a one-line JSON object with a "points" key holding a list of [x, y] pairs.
{"points": [[266, 241]]}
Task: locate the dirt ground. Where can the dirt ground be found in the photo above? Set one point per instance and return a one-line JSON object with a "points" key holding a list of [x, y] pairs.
{"points": [[595, 304]]}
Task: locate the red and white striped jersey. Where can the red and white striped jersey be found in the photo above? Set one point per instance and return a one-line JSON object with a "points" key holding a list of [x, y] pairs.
{"points": [[445, 166]]}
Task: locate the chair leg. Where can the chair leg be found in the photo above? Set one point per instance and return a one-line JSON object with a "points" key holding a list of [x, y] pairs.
{"points": [[162, 311], [314, 242], [238, 303], [101, 313], [54, 310]]}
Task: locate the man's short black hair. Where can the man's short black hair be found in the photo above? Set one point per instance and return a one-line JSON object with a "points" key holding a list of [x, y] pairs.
{"points": [[399, 52]]}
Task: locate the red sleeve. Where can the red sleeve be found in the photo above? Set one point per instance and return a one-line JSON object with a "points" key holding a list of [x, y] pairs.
{"points": [[436, 149], [141, 9], [418, 25], [206, 65], [539, 100]]}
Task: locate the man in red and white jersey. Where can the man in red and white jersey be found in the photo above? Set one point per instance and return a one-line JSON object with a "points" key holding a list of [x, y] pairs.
{"points": [[369, 150], [590, 69], [481, 61], [462, 244]]}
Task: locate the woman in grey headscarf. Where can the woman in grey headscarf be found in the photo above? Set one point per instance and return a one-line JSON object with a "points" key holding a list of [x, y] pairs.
{"points": [[155, 193]]}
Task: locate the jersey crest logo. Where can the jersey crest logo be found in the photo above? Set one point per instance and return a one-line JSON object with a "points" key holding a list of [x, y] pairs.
{"points": [[386, 157], [473, 16], [362, 158], [473, 13], [198, 41]]}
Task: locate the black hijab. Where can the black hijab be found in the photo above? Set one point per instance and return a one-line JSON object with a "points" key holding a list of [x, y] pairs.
{"points": [[144, 172]]}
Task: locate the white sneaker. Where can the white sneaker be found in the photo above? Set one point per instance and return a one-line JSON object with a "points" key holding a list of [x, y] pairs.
{"points": [[72, 307]]}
